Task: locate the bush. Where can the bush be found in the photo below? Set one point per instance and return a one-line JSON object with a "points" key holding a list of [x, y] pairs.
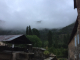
{"points": [[35, 40], [46, 52]]}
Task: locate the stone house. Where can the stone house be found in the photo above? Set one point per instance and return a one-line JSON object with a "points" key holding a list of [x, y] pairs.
{"points": [[74, 42]]}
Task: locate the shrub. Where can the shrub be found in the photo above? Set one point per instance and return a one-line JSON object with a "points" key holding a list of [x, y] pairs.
{"points": [[46, 52]]}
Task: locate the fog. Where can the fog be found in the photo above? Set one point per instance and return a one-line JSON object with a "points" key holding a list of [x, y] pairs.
{"points": [[18, 14]]}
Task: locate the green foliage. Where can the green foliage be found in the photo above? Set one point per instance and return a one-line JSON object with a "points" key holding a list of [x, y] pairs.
{"points": [[27, 30], [33, 31], [50, 42], [59, 43], [46, 43], [35, 40], [30, 31], [59, 52], [60, 38], [46, 52], [36, 32]]}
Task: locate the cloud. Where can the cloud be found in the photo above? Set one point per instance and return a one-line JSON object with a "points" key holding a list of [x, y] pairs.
{"points": [[52, 13]]}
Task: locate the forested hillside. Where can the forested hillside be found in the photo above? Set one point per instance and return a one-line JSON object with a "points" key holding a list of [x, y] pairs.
{"points": [[54, 40], [60, 38], [57, 32], [43, 32]]}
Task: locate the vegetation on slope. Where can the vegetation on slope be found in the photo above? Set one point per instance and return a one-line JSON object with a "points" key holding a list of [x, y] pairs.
{"points": [[56, 40]]}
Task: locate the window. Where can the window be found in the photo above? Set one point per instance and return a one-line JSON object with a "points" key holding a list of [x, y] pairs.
{"points": [[78, 38], [75, 42]]}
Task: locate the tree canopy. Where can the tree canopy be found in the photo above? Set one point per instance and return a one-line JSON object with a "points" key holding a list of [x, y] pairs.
{"points": [[50, 42], [35, 40], [35, 32]]}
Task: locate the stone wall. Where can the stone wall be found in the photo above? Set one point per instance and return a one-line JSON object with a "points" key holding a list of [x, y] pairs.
{"points": [[16, 56], [5, 56], [71, 49], [38, 53], [73, 52], [78, 29]]}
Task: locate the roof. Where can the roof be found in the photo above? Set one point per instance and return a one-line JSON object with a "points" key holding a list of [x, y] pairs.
{"points": [[75, 6], [74, 30], [8, 37], [15, 39]]}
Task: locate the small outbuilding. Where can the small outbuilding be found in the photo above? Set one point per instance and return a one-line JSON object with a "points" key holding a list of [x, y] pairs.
{"points": [[14, 53]]}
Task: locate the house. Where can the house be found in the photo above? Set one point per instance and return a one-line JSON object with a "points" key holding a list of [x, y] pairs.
{"points": [[14, 53], [74, 42], [19, 53], [15, 39]]}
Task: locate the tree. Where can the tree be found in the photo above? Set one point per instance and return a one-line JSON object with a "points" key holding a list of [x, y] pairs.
{"points": [[30, 31], [27, 31], [45, 43], [50, 42], [36, 32], [35, 40]]}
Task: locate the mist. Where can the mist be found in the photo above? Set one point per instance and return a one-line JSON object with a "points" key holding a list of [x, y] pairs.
{"points": [[18, 14]]}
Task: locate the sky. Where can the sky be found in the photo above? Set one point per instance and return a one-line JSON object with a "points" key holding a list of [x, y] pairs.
{"points": [[51, 13]]}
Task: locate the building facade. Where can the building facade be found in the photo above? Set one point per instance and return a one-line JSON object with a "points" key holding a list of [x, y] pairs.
{"points": [[74, 43]]}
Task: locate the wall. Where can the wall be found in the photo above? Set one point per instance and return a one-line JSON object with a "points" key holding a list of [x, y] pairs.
{"points": [[71, 49], [78, 29], [5, 56], [75, 51]]}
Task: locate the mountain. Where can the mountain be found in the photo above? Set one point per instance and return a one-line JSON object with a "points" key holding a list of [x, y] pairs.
{"points": [[59, 32], [43, 32], [60, 38]]}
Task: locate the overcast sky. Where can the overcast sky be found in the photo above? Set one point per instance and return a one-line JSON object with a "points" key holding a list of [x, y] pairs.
{"points": [[51, 13]]}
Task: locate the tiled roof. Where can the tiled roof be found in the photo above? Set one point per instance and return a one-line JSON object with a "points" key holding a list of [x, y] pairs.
{"points": [[15, 39], [8, 37]]}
